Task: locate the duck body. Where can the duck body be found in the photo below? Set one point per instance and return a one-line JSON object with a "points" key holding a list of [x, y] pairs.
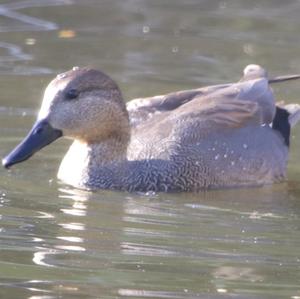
{"points": [[220, 161], [213, 137]]}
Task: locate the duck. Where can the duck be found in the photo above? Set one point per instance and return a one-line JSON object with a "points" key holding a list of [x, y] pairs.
{"points": [[221, 136]]}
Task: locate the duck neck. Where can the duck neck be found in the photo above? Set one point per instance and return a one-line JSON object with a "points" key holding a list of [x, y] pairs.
{"points": [[85, 159]]}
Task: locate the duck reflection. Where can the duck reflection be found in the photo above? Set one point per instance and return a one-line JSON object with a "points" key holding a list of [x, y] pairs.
{"points": [[211, 240]]}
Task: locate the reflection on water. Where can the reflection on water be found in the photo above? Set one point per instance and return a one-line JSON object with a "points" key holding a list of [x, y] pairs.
{"points": [[42, 255], [24, 22], [8, 63], [59, 242], [144, 246]]}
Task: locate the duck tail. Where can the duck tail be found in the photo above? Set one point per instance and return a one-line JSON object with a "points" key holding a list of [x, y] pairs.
{"points": [[294, 113], [285, 118], [281, 124]]}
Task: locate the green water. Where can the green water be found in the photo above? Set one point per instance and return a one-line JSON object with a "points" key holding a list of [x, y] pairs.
{"points": [[57, 242]]}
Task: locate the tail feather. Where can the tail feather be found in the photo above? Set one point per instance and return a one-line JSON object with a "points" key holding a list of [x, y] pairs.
{"points": [[281, 124], [285, 118], [294, 113]]}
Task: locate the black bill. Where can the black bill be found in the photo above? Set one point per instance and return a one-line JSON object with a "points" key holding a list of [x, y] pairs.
{"points": [[40, 135]]}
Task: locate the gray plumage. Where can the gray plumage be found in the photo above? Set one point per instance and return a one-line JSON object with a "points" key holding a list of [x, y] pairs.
{"points": [[213, 137]]}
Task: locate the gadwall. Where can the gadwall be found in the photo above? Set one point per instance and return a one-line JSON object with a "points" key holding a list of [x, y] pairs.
{"points": [[229, 135]]}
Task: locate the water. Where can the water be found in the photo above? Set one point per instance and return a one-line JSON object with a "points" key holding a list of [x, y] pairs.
{"points": [[58, 242]]}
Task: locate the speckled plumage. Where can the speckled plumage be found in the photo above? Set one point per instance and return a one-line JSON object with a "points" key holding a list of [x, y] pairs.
{"points": [[213, 137]]}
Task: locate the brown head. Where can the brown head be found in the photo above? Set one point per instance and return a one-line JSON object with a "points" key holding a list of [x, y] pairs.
{"points": [[84, 104]]}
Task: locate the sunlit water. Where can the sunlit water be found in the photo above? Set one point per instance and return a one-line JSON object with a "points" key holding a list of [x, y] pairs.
{"points": [[57, 242]]}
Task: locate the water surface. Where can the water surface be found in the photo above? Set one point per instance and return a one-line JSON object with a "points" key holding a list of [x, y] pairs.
{"points": [[58, 242]]}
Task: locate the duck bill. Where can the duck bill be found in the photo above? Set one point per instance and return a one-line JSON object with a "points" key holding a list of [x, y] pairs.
{"points": [[41, 134]]}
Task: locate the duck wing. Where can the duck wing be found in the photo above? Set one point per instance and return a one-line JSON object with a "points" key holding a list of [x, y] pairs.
{"points": [[142, 109], [227, 109]]}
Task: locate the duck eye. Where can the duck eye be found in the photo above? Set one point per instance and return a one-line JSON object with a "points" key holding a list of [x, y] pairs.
{"points": [[71, 94]]}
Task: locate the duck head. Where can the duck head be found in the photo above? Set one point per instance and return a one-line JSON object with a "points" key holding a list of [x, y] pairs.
{"points": [[84, 104]]}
